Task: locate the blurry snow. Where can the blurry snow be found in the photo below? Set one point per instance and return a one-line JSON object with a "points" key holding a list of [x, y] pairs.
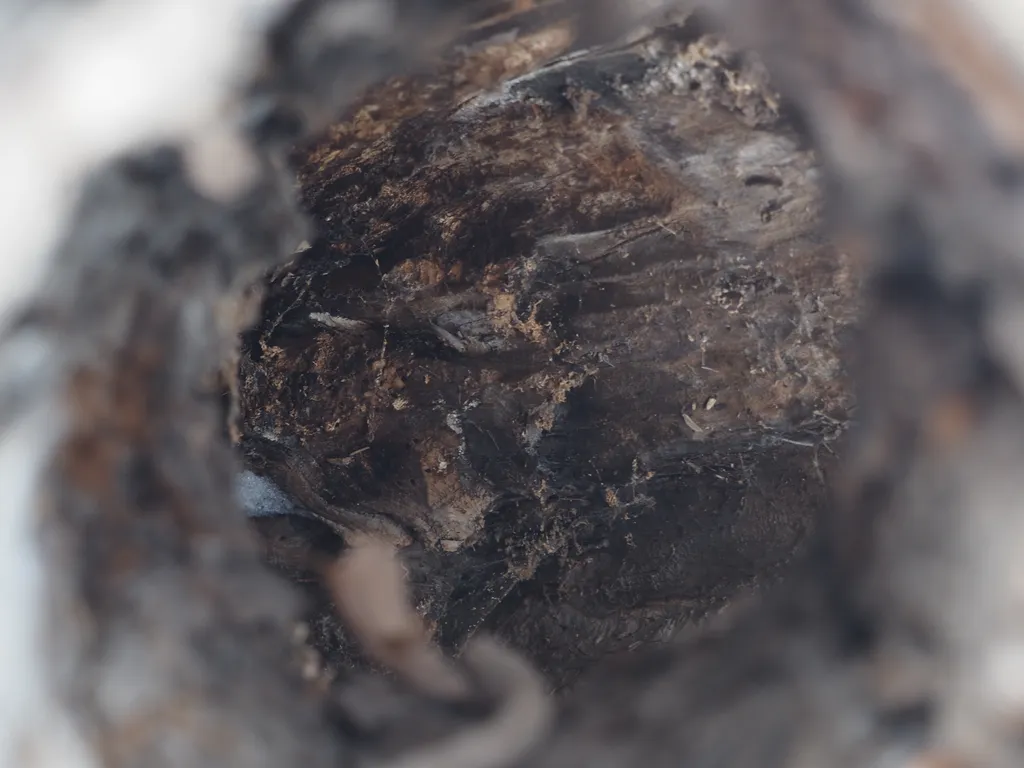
{"points": [[260, 497]]}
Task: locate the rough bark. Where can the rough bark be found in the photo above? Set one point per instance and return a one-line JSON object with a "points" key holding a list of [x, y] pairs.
{"points": [[573, 341]]}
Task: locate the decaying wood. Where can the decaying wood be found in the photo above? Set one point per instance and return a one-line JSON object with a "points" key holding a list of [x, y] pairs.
{"points": [[572, 342]]}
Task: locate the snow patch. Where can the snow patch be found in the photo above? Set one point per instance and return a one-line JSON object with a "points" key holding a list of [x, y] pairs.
{"points": [[260, 497]]}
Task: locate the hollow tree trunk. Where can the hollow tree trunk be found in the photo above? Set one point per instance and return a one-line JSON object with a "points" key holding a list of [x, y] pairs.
{"points": [[506, 284]]}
